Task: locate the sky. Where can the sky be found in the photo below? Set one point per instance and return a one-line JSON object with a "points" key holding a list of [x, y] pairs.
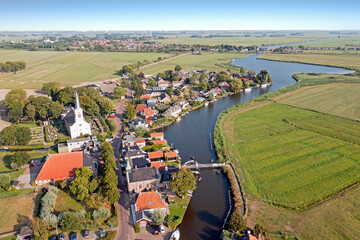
{"points": [[39, 15]]}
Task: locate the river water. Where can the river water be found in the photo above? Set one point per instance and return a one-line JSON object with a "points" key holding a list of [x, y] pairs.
{"points": [[210, 202]]}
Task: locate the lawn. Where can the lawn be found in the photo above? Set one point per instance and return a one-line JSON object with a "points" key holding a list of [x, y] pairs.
{"points": [[339, 99], [337, 218], [195, 62], [292, 156], [17, 212], [177, 210], [69, 68], [337, 60], [5, 158], [65, 202]]}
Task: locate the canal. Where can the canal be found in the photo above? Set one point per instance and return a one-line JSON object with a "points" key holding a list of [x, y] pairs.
{"points": [[210, 202]]}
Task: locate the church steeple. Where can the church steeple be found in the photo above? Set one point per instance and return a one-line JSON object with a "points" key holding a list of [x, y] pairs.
{"points": [[77, 102]]}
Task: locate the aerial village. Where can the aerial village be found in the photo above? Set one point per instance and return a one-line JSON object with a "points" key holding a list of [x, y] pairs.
{"points": [[97, 137]]}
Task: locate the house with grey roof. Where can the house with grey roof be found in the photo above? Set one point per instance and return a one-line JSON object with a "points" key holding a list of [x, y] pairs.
{"points": [[140, 179]]}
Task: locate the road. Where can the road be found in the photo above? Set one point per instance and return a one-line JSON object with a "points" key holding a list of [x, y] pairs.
{"points": [[125, 230]]}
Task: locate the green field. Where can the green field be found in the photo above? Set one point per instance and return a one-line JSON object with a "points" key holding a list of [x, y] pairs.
{"points": [[337, 42], [195, 62], [339, 99], [344, 60], [69, 68], [253, 39], [293, 156], [64, 202], [337, 218]]}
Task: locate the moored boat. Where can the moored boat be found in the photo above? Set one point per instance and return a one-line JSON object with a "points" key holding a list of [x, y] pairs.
{"points": [[175, 235]]}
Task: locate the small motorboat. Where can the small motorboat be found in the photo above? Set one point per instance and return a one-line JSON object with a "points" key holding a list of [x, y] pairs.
{"points": [[175, 235]]}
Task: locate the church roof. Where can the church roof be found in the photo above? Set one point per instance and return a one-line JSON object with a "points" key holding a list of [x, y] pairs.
{"points": [[77, 102], [70, 118]]}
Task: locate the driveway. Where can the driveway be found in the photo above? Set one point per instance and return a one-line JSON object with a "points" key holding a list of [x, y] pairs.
{"points": [[30, 174]]}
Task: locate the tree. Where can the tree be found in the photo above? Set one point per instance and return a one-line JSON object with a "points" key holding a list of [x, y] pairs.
{"points": [[236, 85], [113, 194], [21, 158], [158, 216], [93, 185], [94, 201], [169, 91], [30, 111], [130, 111], [106, 105], [15, 135], [66, 95], [101, 215], [152, 82], [15, 101], [39, 228], [182, 182], [51, 89], [55, 109], [263, 77], [5, 180], [260, 229], [178, 68], [119, 92], [79, 187], [237, 222], [70, 221]]}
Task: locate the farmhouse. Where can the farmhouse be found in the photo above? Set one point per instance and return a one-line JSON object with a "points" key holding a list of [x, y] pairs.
{"points": [[60, 166]]}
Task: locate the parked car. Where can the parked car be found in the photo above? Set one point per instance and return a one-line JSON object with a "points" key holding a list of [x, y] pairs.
{"points": [[85, 233], [162, 228], [102, 233], [156, 229], [112, 115], [61, 236], [73, 236], [54, 237]]}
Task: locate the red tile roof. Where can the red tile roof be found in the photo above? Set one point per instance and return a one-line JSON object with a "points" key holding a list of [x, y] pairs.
{"points": [[159, 165], [158, 154], [61, 166], [142, 140], [149, 200], [163, 142], [140, 107], [146, 96], [148, 112], [170, 154], [157, 135]]}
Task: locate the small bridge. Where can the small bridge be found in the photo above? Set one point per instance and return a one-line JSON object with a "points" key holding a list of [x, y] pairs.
{"points": [[192, 164]]}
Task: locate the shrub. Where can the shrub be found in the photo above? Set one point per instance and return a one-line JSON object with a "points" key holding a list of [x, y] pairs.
{"points": [[48, 202], [5, 180], [101, 215], [137, 227], [70, 221], [110, 235]]}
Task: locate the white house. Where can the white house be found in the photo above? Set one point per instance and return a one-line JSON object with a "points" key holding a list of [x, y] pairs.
{"points": [[75, 122]]}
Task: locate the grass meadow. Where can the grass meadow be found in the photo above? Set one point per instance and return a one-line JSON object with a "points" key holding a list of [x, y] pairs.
{"points": [[285, 156], [209, 61], [344, 60], [17, 212], [339, 99], [337, 42], [69, 68]]}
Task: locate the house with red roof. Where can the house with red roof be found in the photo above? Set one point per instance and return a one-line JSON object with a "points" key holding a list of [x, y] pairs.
{"points": [[171, 156], [155, 156], [140, 108], [159, 165], [157, 135], [224, 86], [163, 142], [59, 167], [146, 203], [140, 142], [148, 113], [145, 97]]}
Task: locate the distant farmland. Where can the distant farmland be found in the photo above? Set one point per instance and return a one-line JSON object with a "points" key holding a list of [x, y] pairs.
{"points": [[338, 60], [69, 68], [294, 156]]}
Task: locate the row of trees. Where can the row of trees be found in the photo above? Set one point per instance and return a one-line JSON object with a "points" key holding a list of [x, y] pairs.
{"points": [[12, 66]]}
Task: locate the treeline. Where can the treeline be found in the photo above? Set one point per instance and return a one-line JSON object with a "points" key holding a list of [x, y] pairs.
{"points": [[12, 66]]}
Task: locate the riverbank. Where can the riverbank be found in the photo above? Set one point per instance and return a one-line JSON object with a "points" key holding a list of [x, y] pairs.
{"points": [[226, 139]]}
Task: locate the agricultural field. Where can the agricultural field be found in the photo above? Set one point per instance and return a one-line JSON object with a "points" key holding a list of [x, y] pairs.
{"points": [[345, 60], [251, 40], [337, 42], [337, 218], [69, 68], [293, 156], [194, 62], [17, 211], [339, 99]]}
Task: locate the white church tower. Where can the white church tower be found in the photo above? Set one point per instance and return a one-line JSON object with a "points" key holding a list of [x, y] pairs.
{"points": [[74, 121]]}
